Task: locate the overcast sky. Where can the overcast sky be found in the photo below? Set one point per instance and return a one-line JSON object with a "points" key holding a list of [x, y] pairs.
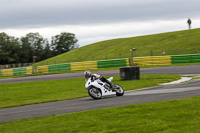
{"points": [[97, 20]]}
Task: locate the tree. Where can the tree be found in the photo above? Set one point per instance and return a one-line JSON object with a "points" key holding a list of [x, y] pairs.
{"points": [[63, 43], [9, 49], [48, 53], [14, 50], [32, 45]]}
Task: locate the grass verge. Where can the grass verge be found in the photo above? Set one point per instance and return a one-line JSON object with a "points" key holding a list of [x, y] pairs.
{"points": [[17, 94], [179, 42], [166, 117]]}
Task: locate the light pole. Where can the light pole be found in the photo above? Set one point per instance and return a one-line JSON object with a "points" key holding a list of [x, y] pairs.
{"points": [[132, 55], [34, 66]]}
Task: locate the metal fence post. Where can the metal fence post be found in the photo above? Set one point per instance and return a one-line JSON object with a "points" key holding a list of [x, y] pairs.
{"points": [[132, 54], [177, 51], [151, 52], [120, 55]]}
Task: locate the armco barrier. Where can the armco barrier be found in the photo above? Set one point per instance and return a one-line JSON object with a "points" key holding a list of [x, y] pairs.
{"points": [[43, 69], [113, 63], [83, 65], [152, 60], [54, 68], [139, 61], [64, 67], [16, 71], [181, 59], [19, 71], [176, 59], [29, 70], [7, 72], [59, 67], [195, 58], [87, 65]]}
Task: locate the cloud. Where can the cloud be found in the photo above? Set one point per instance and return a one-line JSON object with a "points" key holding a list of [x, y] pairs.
{"points": [[45, 13], [96, 20], [87, 34]]}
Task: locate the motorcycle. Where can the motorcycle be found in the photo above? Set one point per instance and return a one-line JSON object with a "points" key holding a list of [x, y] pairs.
{"points": [[97, 89]]}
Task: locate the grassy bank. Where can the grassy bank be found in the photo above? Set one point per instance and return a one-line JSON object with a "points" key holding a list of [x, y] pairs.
{"points": [[173, 116], [17, 94], [179, 42]]}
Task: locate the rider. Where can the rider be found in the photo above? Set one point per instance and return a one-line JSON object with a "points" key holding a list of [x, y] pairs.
{"points": [[94, 76]]}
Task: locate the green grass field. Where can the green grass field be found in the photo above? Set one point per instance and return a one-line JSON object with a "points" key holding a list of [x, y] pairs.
{"points": [[179, 42], [17, 94], [175, 116]]}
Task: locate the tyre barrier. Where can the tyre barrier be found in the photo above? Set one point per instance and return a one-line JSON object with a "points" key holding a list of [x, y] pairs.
{"points": [[59, 67], [181, 59], [113, 63], [87, 65], [166, 60], [83, 65], [75, 66], [152, 60]]}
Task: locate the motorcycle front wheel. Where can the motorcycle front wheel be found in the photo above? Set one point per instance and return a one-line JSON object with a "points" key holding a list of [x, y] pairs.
{"points": [[95, 93], [119, 90]]}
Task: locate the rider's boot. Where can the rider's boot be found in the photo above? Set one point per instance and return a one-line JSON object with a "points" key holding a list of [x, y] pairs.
{"points": [[108, 82], [111, 86]]}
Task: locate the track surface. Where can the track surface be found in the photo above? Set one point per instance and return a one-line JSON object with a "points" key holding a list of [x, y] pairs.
{"points": [[160, 93], [191, 69]]}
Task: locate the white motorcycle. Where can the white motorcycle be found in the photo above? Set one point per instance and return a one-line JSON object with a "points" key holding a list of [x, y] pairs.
{"points": [[96, 88]]}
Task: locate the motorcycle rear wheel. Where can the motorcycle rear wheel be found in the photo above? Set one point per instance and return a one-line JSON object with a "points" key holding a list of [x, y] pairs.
{"points": [[95, 93]]}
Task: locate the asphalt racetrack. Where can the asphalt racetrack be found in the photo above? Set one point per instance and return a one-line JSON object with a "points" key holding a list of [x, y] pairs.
{"points": [[160, 93]]}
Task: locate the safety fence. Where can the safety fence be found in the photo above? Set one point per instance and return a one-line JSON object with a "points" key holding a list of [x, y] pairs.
{"points": [[88, 65], [16, 71], [75, 66], [179, 59], [166, 60], [152, 60]]}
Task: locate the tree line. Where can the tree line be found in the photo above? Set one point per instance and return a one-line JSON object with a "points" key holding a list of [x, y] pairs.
{"points": [[22, 50]]}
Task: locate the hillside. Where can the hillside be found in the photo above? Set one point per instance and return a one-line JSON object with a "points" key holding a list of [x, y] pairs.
{"points": [[179, 42]]}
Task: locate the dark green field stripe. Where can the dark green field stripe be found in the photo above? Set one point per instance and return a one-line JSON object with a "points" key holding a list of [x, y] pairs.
{"points": [[0, 72]]}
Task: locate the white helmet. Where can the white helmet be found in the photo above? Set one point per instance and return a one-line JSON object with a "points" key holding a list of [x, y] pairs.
{"points": [[87, 74]]}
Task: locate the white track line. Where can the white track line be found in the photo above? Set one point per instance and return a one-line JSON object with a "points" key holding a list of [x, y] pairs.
{"points": [[183, 79]]}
